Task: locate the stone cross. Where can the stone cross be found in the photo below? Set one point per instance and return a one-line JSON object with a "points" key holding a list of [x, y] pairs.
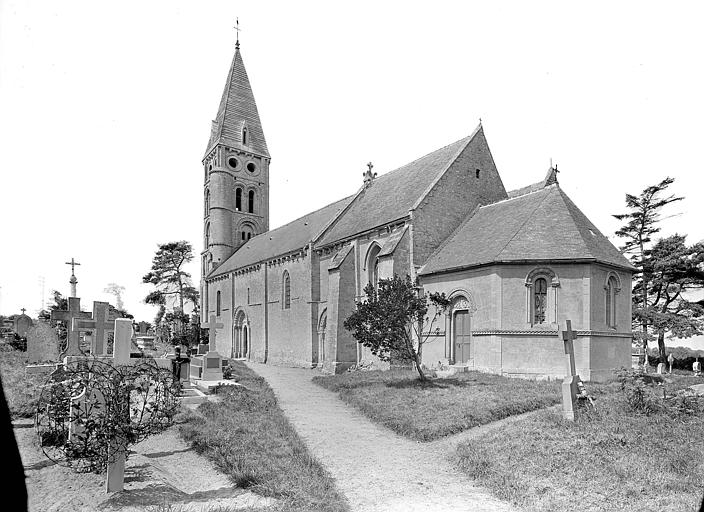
{"points": [[74, 311], [570, 384], [670, 359], [212, 327], [23, 310], [100, 324]]}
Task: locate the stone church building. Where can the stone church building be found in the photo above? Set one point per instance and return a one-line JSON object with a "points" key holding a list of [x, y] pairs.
{"points": [[515, 264]]}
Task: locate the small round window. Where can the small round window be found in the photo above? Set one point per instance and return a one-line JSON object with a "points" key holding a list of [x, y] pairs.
{"points": [[251, 167], [232, 162]]}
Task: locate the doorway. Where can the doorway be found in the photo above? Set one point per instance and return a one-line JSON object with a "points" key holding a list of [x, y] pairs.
{"points": [[462, 336]]}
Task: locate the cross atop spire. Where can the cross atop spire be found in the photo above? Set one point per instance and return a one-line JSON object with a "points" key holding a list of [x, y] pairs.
{"points": [[237, 28], [73, 265]]}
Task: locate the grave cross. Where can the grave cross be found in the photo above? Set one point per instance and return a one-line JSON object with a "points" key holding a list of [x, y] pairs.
{"points": [[23, 310], [100, 323], [74, 311], [568, 336], [212, 327], [570, 384], [73, 265]]}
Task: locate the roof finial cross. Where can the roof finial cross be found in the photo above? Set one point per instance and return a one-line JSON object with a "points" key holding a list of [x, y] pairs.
{"points": [[237, 28], [370, 166], [73, 265], [23, 310], [369, 175]]}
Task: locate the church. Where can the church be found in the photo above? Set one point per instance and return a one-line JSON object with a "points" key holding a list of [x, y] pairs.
{"points": [[515, 264]]}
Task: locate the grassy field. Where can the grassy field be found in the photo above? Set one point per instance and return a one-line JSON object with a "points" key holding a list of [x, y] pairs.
{"points": [[610, 459], [21, 391], [248, 437], [429, 410]]}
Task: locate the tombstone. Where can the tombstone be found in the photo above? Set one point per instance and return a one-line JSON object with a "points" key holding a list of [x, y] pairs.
{"points": [[670, 359], [697, 367], [42, 344], [73, 347], [570, 384], [100, 325], [661, 368], [22, 324], [208, 366]]}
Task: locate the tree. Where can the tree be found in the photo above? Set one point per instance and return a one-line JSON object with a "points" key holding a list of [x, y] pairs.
{"points": [[673, 270], [60, 302], [167, 273], [116, 290], [393, 321], [642, 223]]}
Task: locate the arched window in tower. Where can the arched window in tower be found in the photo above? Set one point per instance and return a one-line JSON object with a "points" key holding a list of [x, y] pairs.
{"points": [[250, 201], [207, 235], [218, 304], [540, 295], [238, 199], [244, 136], [207, 202], [246, 233], [286, 291]]}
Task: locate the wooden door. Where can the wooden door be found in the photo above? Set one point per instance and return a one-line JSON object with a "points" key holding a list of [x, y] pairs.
{"points": [[462, 337]]}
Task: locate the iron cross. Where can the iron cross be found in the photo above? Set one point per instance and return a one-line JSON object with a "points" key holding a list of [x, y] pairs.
{"points": [[237, 28], [73, 265]]}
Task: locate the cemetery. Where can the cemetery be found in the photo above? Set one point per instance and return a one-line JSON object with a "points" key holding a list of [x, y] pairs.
{"points": [[436, 336]]}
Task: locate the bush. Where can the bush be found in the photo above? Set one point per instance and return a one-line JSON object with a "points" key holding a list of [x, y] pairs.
{"points": [[18, 342], [639, 390]]}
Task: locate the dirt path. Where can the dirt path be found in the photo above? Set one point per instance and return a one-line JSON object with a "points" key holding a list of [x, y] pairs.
{"points": [[161, 470], [376, 469]]}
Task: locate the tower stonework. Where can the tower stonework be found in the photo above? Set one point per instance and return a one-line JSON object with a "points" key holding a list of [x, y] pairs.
{"points": [[236, 175]]}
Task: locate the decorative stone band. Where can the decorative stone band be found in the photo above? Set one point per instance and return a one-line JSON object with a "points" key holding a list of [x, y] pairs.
{"points": [[536, 332]]}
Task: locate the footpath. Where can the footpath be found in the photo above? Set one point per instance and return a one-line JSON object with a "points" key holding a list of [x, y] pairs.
{"points": [[376, 469]]}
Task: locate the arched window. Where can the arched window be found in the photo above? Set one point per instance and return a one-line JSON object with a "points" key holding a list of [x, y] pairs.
{"points": [[540, 295], [373, 265], [611, 290], [477, 171], [238, 199], [207, 202], [250, 202], [286, 291], [207, 235], [244, 135], [218, 304]]}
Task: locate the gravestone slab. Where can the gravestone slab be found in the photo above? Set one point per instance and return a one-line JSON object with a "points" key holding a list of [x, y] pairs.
{"points": [[22, 325], [661, 368], [42, 344]]}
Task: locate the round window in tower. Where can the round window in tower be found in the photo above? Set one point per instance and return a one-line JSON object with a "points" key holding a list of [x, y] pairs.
{"points": [[251, 167], [233, 162]]}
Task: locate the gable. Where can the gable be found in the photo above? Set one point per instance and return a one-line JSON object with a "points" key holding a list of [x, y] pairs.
{"points": [[391, 196]]}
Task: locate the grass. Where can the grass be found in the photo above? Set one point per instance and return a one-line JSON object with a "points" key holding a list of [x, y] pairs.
{"points": [[610, 459], [248, 437], [21, 390], [430, 410]]}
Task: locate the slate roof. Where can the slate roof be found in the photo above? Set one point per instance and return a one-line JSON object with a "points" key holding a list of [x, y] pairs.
{"points": [[282, 240], [237, 107], [393, 194], [540, 225]]}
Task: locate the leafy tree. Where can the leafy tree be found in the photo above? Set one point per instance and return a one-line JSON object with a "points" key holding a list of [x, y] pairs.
{"points": [[116, 290], [673, 269], [642, 220], [60, 302], [168, 275], [393, 321]]}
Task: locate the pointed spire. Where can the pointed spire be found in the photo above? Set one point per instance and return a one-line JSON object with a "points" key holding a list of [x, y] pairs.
{"points": [[237, 122]]}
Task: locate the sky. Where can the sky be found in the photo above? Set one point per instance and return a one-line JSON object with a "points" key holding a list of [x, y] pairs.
{"points": [[105, 112]]}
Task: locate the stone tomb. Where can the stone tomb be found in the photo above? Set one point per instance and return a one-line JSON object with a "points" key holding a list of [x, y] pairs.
{"points": [[208, 366], [100, 325], [42, 344]]}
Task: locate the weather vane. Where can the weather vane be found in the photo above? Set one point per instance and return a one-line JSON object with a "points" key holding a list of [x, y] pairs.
{"points": [[237, 28]]}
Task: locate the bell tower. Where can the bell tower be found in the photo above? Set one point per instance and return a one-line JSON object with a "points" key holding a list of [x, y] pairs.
{"points": [[236, 172]]}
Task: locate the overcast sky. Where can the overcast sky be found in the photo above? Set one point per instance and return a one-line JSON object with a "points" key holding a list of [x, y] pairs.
{"points": [[105, 112]]}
